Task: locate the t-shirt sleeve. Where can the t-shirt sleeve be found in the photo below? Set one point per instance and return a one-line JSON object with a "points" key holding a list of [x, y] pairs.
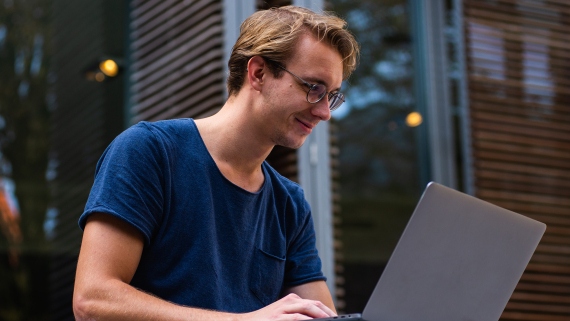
{"points": [[303, 263], [129, 181]]}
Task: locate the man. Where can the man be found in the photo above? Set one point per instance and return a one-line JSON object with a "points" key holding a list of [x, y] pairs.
{"points": [[185, 220]]}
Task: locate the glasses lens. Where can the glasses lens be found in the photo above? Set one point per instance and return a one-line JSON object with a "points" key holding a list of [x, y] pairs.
{"points": [[316, 93], [335, 100]]}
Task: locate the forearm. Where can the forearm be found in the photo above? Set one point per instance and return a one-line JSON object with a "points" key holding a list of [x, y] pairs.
{"points": [[119, 301], [115, 300]]}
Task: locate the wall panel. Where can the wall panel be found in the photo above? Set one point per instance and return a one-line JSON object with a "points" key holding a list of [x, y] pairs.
{"points": [[519, 79], [176, 60], [85, 117]]}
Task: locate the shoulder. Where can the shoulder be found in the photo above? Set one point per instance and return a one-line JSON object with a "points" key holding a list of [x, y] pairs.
{"points": [[172, 128], [164, 134], [147, 143]]}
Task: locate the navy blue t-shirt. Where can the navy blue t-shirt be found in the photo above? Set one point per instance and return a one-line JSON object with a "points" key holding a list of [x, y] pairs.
{"points": [[208, 242]]}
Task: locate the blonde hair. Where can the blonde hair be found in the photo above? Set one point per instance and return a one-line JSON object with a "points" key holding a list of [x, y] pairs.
{"points": [[273, 34]]}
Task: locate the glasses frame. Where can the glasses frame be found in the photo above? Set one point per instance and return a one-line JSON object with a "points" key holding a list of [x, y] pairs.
{"points": [[335, 99]]}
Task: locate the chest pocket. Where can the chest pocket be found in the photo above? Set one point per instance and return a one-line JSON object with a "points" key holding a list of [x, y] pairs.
{"points": [[268, 272]]}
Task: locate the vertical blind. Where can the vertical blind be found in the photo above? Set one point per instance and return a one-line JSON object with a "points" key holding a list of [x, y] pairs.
{"points": [[518, 69]]}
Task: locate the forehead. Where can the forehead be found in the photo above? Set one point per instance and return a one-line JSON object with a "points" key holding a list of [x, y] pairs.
{"points": [[317, 59]]}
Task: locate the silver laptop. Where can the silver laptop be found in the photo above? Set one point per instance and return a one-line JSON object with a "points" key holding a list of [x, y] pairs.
{"points": [[459, 258]]}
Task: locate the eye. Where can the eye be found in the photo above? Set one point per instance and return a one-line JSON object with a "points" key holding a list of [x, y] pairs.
{"points": [[319, 89]]}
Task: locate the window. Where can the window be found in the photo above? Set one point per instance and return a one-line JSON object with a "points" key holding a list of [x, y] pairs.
{"points": [[377, 130]]}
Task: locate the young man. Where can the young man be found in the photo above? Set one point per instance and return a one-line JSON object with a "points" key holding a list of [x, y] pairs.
{"points": [[186, 221]]}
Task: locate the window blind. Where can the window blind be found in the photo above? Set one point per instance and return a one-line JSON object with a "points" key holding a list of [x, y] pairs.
{"points": [[518, 66]]}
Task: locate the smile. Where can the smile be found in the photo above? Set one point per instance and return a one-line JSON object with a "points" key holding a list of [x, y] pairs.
{"points": [[309, 126]]}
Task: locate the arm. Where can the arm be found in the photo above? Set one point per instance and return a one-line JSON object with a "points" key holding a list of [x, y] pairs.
{"points": [[109, 256], [110, 253]]}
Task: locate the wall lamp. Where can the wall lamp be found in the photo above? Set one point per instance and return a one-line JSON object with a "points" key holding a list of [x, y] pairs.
{"points": [[103, 69], [414, 119]]}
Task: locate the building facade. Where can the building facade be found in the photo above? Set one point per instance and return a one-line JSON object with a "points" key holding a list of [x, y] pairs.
{"points": [[487, 79]]}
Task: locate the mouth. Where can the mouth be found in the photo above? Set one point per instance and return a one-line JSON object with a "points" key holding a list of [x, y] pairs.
{"points": [[307, 125]]}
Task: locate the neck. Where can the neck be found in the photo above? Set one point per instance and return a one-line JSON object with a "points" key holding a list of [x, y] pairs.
{"points": [[235, 146]]}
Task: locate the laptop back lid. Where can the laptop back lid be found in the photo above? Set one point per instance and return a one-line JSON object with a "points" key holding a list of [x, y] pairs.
{"points": [[459, 258]]}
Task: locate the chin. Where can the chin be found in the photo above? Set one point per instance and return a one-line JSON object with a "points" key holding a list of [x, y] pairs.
{"points": [[291, 143]]}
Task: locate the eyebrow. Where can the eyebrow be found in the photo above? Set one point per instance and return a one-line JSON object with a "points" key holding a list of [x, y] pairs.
{"points": [[316, 80], [311, 80]]}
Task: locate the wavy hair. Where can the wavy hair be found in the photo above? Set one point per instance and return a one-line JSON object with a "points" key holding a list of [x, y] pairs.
{"points": [[273, 34]]}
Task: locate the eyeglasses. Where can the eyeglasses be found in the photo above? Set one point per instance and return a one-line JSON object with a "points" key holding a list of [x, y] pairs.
{"points": [[318, 91]]}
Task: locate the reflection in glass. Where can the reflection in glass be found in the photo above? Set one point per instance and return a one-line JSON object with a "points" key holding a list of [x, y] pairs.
{"points": [[24, 145], [379, 167]]}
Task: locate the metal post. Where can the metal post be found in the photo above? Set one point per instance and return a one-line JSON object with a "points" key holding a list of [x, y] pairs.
{"points": [[235, 12], [432, 88]]}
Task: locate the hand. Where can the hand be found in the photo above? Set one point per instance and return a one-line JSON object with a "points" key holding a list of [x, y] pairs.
{"points": [[291, 307]]}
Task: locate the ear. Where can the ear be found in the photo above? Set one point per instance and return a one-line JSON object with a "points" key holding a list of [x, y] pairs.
{"points": [[256, 69]]}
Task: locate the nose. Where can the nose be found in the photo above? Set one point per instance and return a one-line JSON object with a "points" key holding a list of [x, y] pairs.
{"points": [[321, 109]]}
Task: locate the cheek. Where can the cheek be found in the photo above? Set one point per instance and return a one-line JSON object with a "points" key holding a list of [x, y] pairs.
{"points": [[283, 98]]}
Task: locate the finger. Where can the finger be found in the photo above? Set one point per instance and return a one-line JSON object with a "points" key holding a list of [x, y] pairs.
{"points": [[290, 297], [326, 309], [314, 309], [296, 316]]}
